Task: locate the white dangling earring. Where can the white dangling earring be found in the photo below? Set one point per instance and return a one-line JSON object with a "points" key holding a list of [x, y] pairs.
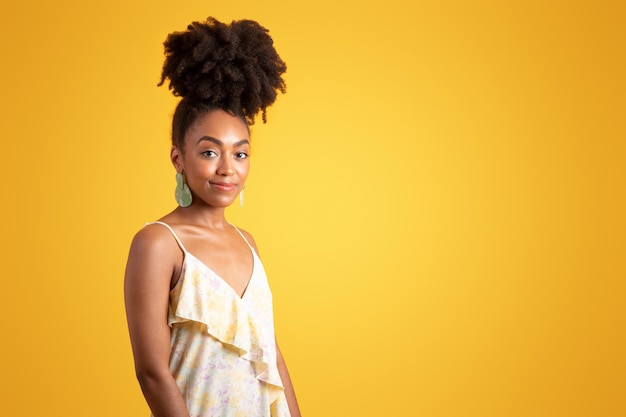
{"points": [[241, 196]]}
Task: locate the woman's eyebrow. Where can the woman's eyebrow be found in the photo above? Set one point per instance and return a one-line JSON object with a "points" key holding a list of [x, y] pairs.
{"points": [[220, 143], [242, 142], [211, 139]]}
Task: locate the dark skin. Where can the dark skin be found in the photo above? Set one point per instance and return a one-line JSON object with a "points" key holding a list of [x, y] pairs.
{"points": [[215, 164]]}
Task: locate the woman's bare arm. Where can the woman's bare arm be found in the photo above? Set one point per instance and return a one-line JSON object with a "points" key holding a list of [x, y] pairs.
{"points": [[290, 393], [153, 255]]}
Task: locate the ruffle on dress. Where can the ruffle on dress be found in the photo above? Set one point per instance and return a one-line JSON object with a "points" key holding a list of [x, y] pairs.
{"points": [[204, 297]]}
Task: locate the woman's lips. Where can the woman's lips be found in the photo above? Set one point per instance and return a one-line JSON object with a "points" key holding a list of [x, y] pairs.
{"points": [[224, 186]]}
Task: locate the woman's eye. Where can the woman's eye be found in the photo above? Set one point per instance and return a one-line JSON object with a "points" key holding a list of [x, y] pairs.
{"points": [[241, 155], [209, 154]]}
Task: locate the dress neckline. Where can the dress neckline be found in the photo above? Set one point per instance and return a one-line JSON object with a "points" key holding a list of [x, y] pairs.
{"points": [[187, 254]]}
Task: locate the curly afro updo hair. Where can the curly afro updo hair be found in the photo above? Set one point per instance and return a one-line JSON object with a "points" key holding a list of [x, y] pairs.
{"points": [[233, 67]]}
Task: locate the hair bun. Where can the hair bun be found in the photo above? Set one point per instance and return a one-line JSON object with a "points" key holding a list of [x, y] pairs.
{"points": [[233, 67]]}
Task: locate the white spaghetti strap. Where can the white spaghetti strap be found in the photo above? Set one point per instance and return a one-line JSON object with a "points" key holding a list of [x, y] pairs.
{"points": [[243, 237], [173, 234]]}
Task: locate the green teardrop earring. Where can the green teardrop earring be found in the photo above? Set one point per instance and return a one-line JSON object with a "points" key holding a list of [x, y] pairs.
{"points": [[182, 193]]}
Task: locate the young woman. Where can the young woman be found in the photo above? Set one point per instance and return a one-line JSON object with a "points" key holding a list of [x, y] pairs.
{"points": [[198, 303]]}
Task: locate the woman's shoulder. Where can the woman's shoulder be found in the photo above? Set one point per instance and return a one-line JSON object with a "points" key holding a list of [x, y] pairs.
{"points": [[155, 237], [249, 238]]}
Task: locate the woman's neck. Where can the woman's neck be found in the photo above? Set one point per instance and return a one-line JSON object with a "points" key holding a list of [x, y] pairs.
{"points": [[210, 217]]}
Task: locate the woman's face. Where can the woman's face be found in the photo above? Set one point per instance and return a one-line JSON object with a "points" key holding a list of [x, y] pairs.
{"points": [[215, 159]]}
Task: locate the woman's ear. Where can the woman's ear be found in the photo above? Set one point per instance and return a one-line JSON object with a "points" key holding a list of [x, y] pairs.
{"points": [[176, 156]]}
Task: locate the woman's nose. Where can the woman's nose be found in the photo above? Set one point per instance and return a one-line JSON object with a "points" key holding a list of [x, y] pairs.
{"points": [[225, 167]]}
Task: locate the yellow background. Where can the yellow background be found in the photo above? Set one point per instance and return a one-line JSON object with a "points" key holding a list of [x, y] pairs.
{"points": [[439, 200]]}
